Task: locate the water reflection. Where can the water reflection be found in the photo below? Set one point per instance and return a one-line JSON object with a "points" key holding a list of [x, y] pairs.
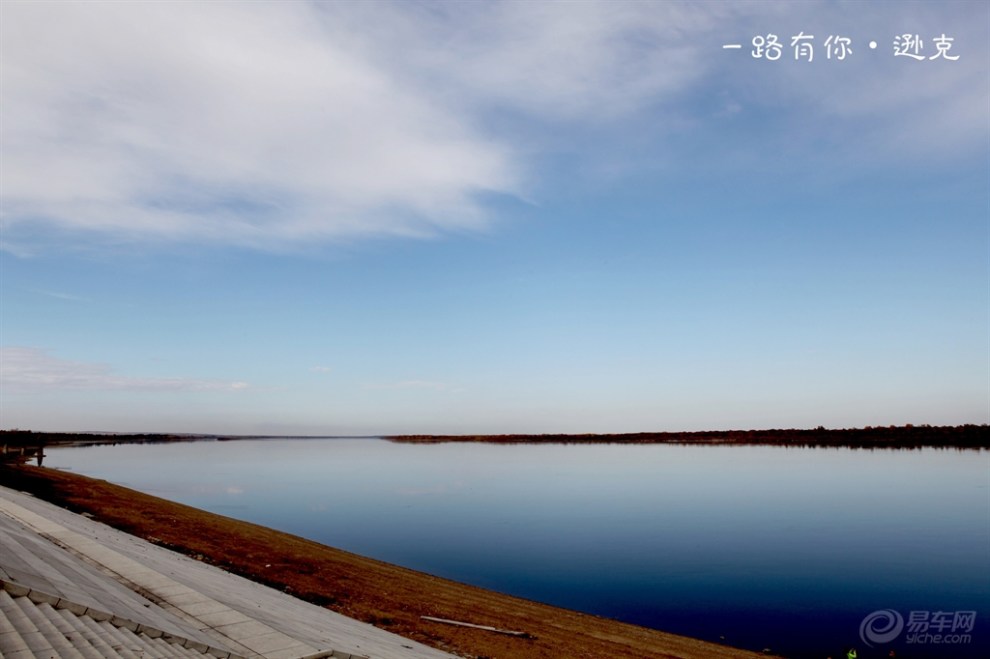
{"points": [[764, 546]]}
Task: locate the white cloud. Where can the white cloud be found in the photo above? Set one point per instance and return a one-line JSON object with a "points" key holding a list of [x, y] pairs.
{"points": [[270, 124], [27, 369], [224, 121], [321, 369]]}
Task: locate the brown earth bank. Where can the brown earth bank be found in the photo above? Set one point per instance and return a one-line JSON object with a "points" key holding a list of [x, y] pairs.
{"points": [[970, 436], [388, 596]]}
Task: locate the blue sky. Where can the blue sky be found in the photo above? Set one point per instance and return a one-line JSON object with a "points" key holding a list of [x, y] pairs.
{"points": [[335, 218]]}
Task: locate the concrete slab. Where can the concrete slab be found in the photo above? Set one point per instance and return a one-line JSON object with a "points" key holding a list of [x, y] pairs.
{"points": [[241, 614], [222, 618], [268, 643], [180, 597]]}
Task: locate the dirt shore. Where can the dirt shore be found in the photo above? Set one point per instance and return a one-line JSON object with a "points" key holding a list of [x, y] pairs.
{"points": [[388, 596]]}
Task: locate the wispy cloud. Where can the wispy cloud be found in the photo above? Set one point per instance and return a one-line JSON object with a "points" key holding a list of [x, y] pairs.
{"points": [[874, 101], [414, 384], [14, 249], [28, 369], [587, 61], [321, 369]]}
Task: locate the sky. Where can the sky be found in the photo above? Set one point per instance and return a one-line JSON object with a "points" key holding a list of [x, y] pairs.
{"points": [[493, 217]]}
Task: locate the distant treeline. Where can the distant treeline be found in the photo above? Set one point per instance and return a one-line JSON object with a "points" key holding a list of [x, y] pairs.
{"points": [[28, 438], [969, 436]]}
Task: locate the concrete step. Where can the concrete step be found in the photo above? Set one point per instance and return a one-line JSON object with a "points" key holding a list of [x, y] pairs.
{"points": [[42, 618], [14, 626]]}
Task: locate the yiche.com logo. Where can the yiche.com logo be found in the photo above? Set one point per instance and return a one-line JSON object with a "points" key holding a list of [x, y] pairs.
{"points": [[881, 627]]}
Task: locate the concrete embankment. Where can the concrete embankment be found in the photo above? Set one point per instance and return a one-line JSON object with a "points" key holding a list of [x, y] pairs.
{"points": [[63, 575]]}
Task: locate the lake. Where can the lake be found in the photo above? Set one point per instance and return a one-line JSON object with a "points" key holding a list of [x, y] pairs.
{"points": [[800, 550]]}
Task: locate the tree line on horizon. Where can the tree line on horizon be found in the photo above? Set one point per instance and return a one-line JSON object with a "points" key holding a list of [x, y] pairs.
{"points": [[968, 436], [906, 436]]}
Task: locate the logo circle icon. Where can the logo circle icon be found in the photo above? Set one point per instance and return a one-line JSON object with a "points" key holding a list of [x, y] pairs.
{"points": [[881, 626]]}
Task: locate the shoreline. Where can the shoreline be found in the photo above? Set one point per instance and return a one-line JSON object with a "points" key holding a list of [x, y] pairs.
{"points": [[388, 596], [968, 436], [18, 445]]}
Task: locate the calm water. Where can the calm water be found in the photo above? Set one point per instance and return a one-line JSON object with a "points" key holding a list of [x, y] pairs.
{"points": [[788, 549]]}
